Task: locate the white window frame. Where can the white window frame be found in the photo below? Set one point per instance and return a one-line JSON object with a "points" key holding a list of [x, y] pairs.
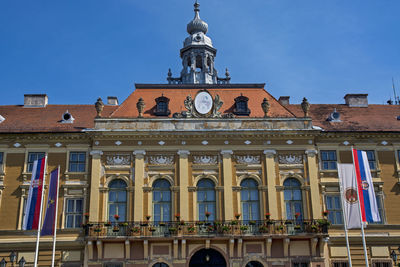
{"points": [[73, 213]]}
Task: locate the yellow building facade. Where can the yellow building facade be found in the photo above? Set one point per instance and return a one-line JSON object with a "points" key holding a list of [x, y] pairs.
{"points": [[199, 172]]}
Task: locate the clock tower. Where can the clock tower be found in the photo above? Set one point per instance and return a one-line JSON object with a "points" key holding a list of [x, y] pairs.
{"points": [[198, 56]]}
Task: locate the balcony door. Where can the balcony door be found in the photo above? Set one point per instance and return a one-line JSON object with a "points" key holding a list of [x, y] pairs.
{"points": [[117, 199], [293, 199], [161, 201]]}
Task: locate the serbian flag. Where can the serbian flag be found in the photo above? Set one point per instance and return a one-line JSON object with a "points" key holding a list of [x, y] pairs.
{"points": [[33, 203], [50, 217], [366, 192]]}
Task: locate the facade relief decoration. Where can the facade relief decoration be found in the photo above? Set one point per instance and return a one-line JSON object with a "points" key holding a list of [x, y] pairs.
{"points": [[290, 159], [118, 160], [160, 160], [248, 159], [205, 159]]}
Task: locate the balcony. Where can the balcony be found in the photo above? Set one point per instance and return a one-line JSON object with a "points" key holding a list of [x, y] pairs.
{"points": [[207, 229]]}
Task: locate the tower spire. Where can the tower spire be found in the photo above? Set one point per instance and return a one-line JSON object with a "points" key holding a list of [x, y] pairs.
{"points": [[198, 55]]}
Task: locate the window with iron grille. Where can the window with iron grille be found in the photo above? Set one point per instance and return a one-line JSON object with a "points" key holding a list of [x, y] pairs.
{"points": [[73, 213], [32, 156], [77, 162], [300, 264], [334, 207], [340, 264], [371, 159], [328, 160], [382, 264]]}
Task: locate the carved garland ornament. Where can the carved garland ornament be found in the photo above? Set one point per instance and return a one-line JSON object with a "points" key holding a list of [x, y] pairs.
{"points": [[248, 159], [118, 160], [205, 159], [161, 160], [290, 159]]}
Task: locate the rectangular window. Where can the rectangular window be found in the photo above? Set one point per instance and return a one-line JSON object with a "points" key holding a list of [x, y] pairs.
{"points": [[334, 207], [382, 264], [1, 157], [340, 264], [73, 213], [300, 264], [371, 159], [113, 264], [23, 211], [328, 160], [77, 161], [32, 156]]}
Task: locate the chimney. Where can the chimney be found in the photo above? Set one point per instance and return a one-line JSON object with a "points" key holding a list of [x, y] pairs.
{"points": [[356, 100], [35, 101], [112, 100], [284, 100]]}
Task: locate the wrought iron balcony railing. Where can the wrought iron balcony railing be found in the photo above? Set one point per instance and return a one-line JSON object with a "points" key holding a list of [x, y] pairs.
{"points": [[207, 228]]}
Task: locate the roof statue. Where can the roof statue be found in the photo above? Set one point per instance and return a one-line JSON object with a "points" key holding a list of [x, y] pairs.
{"points": [[198, 56]]}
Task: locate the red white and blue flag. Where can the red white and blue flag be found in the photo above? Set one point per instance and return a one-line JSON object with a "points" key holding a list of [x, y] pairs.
{"points": [[366, 192], [50, 217], [34, 201]]}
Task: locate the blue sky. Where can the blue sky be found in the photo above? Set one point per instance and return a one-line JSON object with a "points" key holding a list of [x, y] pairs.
{"points": [[78, 50]]}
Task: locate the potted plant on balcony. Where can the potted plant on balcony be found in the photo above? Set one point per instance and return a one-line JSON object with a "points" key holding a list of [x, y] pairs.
{"points": [[237, 216], [225, 228], [267, 215], [323, 225], [116, 217], [207, 214], [191, 229], [107, 223], [135, 230], [252, 222], [297, 227], [182, 222], [115, 229], [161, 223], [263, 229], [97, 229], [172, 230], [325, 213], [280, 228], [244, 228], [148, 217], [177, 216], [288, 222], [210, 228]]}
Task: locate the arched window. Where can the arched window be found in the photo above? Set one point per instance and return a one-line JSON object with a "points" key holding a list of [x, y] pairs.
{"points": [[162, 106], [250, 200], [161, 201], [206, 199], [293, 199], [160, 264], [254, 264], [117, 200]]}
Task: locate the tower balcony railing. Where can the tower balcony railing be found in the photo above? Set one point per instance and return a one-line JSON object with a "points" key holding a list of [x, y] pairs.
{"points": [[207, 228]]}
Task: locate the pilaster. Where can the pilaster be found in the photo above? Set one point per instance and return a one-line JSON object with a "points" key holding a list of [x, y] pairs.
{"points": [[99, 249], [227, 178], [286, 242], [139, 177], [95, 185], [314, 185], [268, 245], [184, 183], [271, 183], [127, 249]]}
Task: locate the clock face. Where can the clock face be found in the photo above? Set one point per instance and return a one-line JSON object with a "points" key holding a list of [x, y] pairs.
{"points": [[203, 102]]}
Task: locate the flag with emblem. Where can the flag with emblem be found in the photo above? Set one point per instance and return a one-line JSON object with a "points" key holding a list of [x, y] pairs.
{"points": [[34, 201], [351, 211], [366, 192], [50, 217]]}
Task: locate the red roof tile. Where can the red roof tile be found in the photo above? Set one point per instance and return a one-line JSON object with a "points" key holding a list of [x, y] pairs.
{"points": [[177, 95], [371, 118], [47, 119]]}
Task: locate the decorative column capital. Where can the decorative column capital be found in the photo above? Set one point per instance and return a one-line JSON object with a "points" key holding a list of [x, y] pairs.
{"points": [[96, 153], [270, 153], [311, 152], [139, 154], [183, 153], [226, 153]]}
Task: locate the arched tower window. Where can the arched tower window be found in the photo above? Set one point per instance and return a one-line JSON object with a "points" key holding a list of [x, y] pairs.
{"points": [[161, 201], [206, 199], [117, 199], [162, 106], [293, 199], [241, 107], [250, 200]]}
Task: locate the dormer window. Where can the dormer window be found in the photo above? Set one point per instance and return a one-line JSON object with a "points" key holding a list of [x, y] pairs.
{"points": [[67, 118], [334, 116], [162, 106], [241, 107]]}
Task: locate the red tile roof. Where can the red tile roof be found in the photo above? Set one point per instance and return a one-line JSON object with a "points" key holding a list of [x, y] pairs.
{"points": [[47, 119], [178, 93], [371, 118]]}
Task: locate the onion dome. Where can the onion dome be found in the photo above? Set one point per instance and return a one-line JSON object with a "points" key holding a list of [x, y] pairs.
{"points": [[197, 24]]}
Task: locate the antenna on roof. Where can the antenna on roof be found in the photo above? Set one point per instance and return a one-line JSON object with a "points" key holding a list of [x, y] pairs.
{"points": [[396, 98]]}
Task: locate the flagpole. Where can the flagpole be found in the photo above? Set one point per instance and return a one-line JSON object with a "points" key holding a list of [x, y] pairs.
{"points": [[359, 208], [55, 219], [40, 213], [345, 223]]}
